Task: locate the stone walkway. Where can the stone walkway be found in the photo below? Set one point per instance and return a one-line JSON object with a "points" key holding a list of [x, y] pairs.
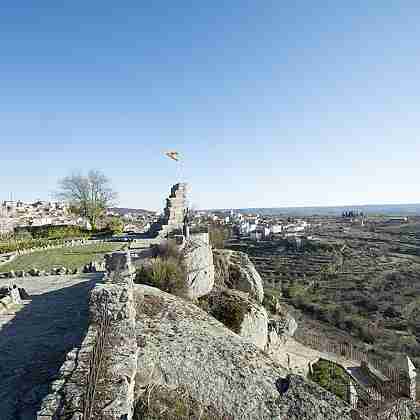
{"points": [[35, 340]]}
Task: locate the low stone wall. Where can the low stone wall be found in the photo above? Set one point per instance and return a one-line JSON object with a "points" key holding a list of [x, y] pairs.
{"points": [[97, 380], [72, 243], [92, 267]]}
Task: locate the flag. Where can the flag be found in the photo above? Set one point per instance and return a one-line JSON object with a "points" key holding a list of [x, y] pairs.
{"points": [[173, 155]]}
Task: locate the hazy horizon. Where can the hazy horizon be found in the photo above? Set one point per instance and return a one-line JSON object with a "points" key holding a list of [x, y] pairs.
{"points": [[269, 104], [279, 207]]}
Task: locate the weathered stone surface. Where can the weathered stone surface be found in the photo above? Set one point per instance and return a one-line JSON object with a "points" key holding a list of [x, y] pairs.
{"points": [[255, 326], [111, 335], [240, 314], [284, 326], [182, 345], [174, 212], [198, 259], [119, 268], [9, 298], [242, 273]]}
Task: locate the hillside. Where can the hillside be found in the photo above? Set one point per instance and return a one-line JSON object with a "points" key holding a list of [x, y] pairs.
{"points": [[353, 284]]}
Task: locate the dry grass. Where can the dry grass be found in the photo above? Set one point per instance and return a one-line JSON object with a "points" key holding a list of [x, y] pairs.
{"points": [[160, 402]]}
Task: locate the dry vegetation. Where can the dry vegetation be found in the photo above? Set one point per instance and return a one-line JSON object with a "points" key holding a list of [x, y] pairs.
{"points": [[355, 284], [165, 271], [159, 402]]}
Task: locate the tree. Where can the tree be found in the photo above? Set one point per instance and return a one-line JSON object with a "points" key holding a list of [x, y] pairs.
{"points": [[115, 225], [88, 196]]}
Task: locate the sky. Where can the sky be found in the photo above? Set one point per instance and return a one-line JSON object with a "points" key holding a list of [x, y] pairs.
{"points": [[270, 103]]}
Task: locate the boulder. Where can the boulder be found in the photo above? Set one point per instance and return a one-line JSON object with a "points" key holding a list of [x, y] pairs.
{"points": [[181, 345], [284, 325], [62, 271], [198, 260], [34, 272], [239, 313], [242, 273], [119, 268], [9, 297], [23, 294]]}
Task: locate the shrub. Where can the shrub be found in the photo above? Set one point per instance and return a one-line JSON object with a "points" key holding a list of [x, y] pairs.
{"points": [[331, 377], [13, 245], [23, 235], [160, 402], [218, 235], [168, 275], [53, 231], [168, 249], [226, 307], [221, 270], [115, 225]]}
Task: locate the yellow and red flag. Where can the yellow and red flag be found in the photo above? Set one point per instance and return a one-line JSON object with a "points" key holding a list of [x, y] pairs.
{"points": [[173, 155]]}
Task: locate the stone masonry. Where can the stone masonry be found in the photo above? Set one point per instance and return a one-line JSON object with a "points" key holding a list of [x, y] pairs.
{"points": [[174, 212], [97, 380]]}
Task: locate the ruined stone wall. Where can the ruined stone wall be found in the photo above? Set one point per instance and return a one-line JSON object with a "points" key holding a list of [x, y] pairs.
{"points": [[97, 379], [173, 214]]}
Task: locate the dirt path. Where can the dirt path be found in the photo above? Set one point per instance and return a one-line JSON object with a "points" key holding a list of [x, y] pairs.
{"points": [[296, 356], [35, 340]]}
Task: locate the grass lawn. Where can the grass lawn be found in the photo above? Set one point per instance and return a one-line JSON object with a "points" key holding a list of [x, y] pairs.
{"points": [[63, 257]]}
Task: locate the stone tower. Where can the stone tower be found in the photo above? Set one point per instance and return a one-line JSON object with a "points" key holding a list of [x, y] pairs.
{"points": [[409, 375], [174, 212]]}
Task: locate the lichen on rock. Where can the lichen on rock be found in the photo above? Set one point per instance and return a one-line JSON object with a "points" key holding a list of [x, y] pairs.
{"points": [[179, 344]]}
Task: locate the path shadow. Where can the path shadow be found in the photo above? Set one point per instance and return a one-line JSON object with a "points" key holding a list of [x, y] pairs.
{"points": [[33, 346]]}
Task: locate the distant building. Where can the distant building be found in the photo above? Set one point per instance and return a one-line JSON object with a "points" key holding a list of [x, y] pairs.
{"points": [[276, 229]]}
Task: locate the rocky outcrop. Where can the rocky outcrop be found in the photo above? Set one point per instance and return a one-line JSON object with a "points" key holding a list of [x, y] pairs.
{"points": [[282, 328], [179, 344], [242, 274], [254, 327], [198, 260], [239, 313]]}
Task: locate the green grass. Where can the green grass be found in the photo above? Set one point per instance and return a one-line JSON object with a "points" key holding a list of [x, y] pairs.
{"points": [[331, 377], [63, 257]]}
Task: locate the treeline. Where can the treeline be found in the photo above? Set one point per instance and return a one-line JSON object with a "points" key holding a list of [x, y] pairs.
{"points": [[51, 232], [21, 245]]}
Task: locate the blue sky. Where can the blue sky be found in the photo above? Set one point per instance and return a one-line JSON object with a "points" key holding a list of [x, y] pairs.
{"points": [[270, 103]]}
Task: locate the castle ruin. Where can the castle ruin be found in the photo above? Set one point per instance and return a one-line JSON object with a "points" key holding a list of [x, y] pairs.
{"points": [[173, 214]]}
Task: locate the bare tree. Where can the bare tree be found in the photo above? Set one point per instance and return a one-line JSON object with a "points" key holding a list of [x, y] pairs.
{"points": [[88, 196]]}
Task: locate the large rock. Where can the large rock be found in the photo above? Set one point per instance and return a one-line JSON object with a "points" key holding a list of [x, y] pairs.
{"points": [[239, 313], [198, 259], [9, 298], [179, 344], [284, 325], [242, 273]]}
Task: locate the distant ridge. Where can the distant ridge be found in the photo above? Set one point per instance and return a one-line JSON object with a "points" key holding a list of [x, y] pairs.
{"points": [[372, 209], [124, 210]]}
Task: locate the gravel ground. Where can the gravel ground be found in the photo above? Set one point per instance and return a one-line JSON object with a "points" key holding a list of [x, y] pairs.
{"points": [[35, 340], [296, 357]]}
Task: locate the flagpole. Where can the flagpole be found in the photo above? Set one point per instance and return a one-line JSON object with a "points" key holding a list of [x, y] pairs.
{"points": [[178, 172]]}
